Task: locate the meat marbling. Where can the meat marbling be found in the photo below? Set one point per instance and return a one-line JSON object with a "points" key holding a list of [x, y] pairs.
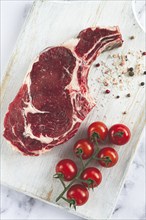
{"points": [[54, 98]]}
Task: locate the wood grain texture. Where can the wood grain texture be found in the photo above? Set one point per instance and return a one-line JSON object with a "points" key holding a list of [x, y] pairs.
{"points": [[51, 23]]}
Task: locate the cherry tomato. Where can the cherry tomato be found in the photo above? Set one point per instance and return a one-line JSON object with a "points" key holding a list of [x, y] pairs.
{"points": [[108, 157], [119, 134], [98, 130], [78, 193], [84, 148], [92, 175], [67, 168]]}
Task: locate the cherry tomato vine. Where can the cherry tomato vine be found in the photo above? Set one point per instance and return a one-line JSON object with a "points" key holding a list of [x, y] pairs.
{"points": [[88, 149]]}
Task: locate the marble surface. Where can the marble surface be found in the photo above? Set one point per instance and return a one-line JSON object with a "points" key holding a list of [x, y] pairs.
{"points": [[14, 205]]}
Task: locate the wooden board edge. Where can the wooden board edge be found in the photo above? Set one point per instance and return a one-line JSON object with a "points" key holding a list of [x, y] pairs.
{"points": [[71, 211], [130, 163]]}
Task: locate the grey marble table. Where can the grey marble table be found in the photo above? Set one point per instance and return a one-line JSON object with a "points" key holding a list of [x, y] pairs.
{"points": [[14, 205]]}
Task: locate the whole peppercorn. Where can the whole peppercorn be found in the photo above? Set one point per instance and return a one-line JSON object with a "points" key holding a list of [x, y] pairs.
{"points": [[128, 95], [131, 73], [130, 69], [142, 83], [107, 91], [97, 65], [117, 96], [131, 37], [144, 72]]}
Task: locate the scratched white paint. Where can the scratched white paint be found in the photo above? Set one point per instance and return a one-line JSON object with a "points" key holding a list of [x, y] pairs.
{"points": [[51, 23]]}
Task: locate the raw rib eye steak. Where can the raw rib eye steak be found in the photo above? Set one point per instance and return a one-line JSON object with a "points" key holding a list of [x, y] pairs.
{"points": [[54, 98]]}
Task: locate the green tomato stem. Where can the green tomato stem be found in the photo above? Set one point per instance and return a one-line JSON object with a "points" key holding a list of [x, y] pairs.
{"points": [[65, 199], [80, 156], [119, 134], [84, 181], [107, 159], [63, 184], [66, 188]]}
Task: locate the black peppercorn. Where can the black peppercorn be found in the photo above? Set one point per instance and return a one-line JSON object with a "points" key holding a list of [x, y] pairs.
{"points": [[142, 83], [128, 95], [131, 73], [132, 37], [130, 69], [97, 65]]}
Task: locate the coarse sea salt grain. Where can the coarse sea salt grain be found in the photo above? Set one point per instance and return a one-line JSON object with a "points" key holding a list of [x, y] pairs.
{"points": [[118, 67]]}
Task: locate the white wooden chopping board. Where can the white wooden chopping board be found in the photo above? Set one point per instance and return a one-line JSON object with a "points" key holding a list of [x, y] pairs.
{"points": [[51, 23]]}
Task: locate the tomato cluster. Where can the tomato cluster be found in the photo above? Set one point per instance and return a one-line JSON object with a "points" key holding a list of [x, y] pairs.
{"points": [[87, 149]]}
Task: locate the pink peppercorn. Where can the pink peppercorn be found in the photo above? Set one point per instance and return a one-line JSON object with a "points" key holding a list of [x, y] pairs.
{"points": [[144, 53], [107, 91]]}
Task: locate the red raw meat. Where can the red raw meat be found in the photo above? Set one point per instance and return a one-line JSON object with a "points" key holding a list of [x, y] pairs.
{"points": [[54, 98]]}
